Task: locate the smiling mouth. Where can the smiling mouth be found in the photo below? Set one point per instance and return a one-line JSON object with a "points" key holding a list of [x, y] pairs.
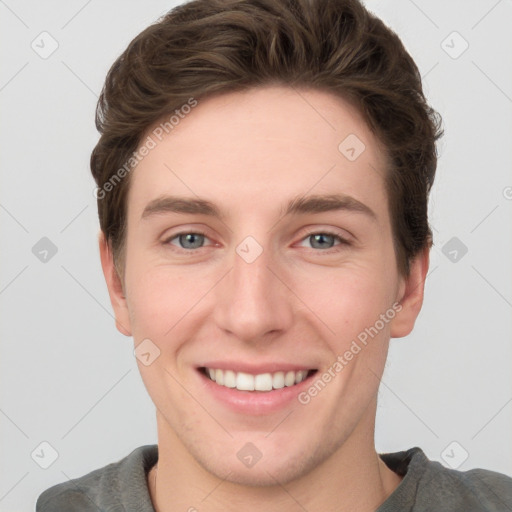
{"points": [[260, 382]]}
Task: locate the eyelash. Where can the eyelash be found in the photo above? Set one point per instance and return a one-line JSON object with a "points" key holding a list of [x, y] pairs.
{"points": [[343, 241]]}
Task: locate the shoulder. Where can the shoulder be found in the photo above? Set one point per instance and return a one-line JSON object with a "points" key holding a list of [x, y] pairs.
{"points": [[479, 488], [432, 486], [108, 488]]}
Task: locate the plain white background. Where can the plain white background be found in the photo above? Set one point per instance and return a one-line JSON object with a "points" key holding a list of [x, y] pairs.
{"points": [[70, 379]]}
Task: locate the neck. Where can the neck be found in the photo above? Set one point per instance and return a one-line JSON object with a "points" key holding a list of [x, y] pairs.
{"points": [[354, 478]]}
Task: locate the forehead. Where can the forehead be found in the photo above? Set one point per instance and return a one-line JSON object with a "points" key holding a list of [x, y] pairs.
{"points": [[271, 143]]}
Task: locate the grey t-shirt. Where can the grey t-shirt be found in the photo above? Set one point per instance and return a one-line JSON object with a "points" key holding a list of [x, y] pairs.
{"points": [[426, 486]]}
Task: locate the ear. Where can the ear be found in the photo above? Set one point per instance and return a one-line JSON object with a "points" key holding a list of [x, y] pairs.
{"points": [[410, 295], [115, 287]]}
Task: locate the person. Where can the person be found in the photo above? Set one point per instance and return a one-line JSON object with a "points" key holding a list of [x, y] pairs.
{"points": [[291, 145]]}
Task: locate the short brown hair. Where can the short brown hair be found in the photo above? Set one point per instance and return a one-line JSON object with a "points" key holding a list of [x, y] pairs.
{"points": [[209, 47]]}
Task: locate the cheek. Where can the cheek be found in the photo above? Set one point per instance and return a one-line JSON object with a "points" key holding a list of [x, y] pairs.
{"points": [[160, 297], [346, 301], [356, 287]]}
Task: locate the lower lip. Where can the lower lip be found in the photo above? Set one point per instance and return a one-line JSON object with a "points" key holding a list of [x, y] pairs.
{"points": [[254, 402]]}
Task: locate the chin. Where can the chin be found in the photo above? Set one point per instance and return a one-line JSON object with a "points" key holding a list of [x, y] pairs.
{"points": [[264, 476], [266, 472]]}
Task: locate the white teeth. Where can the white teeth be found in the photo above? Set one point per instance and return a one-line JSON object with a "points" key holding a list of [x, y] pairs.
{"points": [[300, 376], [278, 380], [261, 382], [229, 379], [289, 379], [244, 381]]}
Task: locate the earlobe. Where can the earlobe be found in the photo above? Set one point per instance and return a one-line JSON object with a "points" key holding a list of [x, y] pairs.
{"points": [[411, 295], [114, 286]]}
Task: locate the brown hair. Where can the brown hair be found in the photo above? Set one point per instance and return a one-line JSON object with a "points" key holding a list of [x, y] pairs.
{"points": [[208, 47]]}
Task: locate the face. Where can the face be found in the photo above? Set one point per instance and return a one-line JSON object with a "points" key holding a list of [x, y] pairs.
{"points": [[259, 253]]}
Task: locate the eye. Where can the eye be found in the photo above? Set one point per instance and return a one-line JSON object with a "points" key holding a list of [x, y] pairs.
{"points": [[188, 240], [322, 240]]}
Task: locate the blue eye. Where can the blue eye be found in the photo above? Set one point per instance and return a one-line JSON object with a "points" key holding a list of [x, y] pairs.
{"points": [[187, 238], [318, 238], [190, 241]]}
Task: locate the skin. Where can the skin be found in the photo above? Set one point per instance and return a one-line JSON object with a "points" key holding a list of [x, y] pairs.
{"points": [[249, 153]]}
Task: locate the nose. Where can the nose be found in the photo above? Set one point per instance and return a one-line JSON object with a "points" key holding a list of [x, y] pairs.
{"points": [[253, 302]]}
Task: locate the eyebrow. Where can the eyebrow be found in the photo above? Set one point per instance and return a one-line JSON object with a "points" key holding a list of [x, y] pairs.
{"points": [[296, 206]]}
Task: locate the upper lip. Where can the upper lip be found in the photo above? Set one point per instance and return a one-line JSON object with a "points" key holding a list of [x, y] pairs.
{"points": [[255, 369]]}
